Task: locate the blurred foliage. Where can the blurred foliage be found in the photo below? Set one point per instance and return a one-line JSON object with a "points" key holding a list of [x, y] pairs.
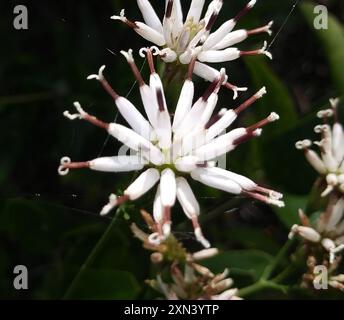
{"points": [[51, 224]]}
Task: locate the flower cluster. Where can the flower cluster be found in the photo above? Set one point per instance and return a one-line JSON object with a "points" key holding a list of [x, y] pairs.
{"points": [[168, 149], [312, 277], [186, 278], [324, 237], [328, 230], [170, 144], [190, 284], [323, 241], [330, 163], [180, 38]]}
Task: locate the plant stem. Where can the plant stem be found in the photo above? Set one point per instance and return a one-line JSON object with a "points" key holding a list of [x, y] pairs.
{"points": [[284, 274], [271, 267], [264, 282], [261, 285], [92, 256]]}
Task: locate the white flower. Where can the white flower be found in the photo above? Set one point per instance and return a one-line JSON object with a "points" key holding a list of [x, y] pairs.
{"points": [[168, 150], [330, 163], [328, 230], [184, 38]]}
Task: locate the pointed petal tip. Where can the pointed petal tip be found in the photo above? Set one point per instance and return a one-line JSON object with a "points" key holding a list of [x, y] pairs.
{"points": [[252, 3], [108, 207]]}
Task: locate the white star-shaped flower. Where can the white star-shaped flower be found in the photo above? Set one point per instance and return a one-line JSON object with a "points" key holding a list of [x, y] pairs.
{"points": [[168, 150], [180, 38]]}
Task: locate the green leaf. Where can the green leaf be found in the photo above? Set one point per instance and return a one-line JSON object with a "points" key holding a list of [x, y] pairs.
{"points": [[251, 262], [332, 42], [252, 238], [289, 214], [277, 99], [105, 284]]}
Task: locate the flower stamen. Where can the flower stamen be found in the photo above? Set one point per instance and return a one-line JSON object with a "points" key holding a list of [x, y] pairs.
{"points": [[258, 52]]}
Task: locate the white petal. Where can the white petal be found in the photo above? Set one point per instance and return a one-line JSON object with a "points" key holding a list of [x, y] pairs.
{"points": [[149, 103], [309, 234], [215, 37], [117, 164], [186, 164], [223, 285], [221, 125], [315, 161], [206, 72], [329, 160], [340, 230], [245, 183], [184, 39], [203, 176], [168, 55], [134, 117], [338, 142], [205, 254], [150, 34], [168, 188], [136, 142], [163, 127], [214, 7], [187, 198], [177, 18], [158, 89], [158, 210], [149, 15], [231, 39], [185, 58], [110, 205], [209, 109], [216, 56], [189, 142], [326, 147], [194, 43], [195, 10], [328, 244], [336, 215], [305, 232], [168, 23], [191, 119], [227, 295], [184, 103], [142, 184], [220, 145], [164, 130]]}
